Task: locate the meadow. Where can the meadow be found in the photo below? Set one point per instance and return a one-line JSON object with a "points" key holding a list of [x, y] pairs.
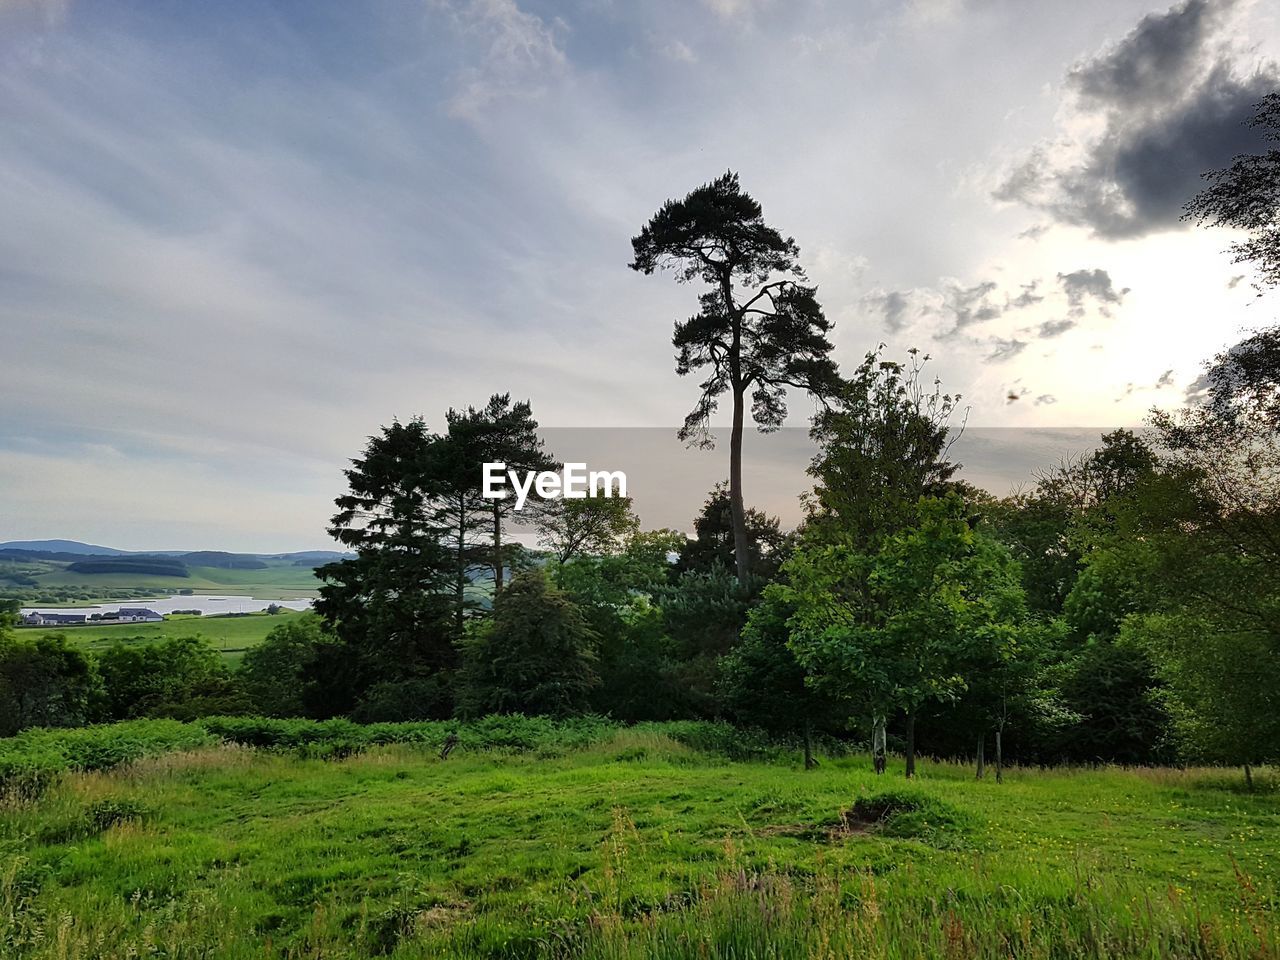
{"points": [[247, 838], [231, 635], [50, 584]]}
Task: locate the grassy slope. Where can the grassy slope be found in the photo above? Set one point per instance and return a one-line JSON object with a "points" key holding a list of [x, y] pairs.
{"points": [[232, 635], [273, 583], [635, 847]]}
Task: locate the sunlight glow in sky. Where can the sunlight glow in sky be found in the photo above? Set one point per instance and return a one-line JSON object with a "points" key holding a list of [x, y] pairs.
{"points": [[237, 237]]}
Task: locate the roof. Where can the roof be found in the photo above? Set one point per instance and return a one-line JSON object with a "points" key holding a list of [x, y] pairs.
{"points": [[136, 612]]}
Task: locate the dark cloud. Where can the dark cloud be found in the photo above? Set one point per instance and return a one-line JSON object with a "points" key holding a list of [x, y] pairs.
{"points": [[1173, 105], [1096, 285], [1055, 328], [1234, 281], [970, 305], [1028, 297], [1198, 389], [1005, 349], [1166, 380], [895, 307], [1156, 62], [1046, 400]]}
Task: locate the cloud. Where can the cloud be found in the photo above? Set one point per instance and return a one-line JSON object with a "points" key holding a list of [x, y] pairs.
{"points": [[893, 305], [679, 51], [899, 309], [967, 306], [1028, 297], [733, 10], [1170, 101], [1235, 281], [1166, 380], [1055, 328], [1046, 400], [518, 54], [1005, 349], [1095, 285], [52, 12]]}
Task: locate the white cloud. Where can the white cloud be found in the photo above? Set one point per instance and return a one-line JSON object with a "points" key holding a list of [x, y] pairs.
{"points": [[517, 54]]}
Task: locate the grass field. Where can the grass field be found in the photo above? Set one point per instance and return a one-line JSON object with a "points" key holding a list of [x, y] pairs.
{"points": [[273, 583], [231, 635], [634, 845], [52, 584]]}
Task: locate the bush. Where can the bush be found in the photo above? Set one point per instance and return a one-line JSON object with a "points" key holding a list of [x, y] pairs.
{"points": [[34, 759], [911, 815]]}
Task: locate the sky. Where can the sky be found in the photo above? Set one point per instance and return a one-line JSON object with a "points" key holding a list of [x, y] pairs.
{"points": [[235, 238]]}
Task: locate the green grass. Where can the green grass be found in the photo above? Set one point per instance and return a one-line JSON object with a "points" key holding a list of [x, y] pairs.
{"points": [[231, 635], [273, 583], [591, 841]]}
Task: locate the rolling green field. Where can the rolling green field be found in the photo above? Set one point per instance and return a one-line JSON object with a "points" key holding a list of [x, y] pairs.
{"points": [[51, 584], [231, 635], [273, 583], [630, 843]]}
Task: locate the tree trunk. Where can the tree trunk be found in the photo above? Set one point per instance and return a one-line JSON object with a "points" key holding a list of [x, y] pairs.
{"points": [[737, 510], [878, 744], [1248, 778], [809, 762], [999, 755], [982, 760], [911, 745], [460, 586], [497, 549]]}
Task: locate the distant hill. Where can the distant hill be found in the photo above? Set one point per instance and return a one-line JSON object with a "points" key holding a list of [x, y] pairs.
{"points": [[62, 546], [224, 561], [66, 551], [141, 565]]}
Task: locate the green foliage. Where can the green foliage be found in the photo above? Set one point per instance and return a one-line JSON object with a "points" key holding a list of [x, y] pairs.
{"points": [[630, 843], [1221, 684], [588, 526], [762, 683], [883, 441], [43, 683], [33, 759], [182, 677], [391, 606], [712, 545], [895, 628], [910, 814], [271, 674], [704, 612], [535, 655]]}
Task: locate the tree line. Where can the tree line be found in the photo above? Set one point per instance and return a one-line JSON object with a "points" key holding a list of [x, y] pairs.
{"points": [[1122, 607]]}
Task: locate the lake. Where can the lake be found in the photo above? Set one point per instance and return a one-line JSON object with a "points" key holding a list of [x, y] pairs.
{"points": [[206, 604]]}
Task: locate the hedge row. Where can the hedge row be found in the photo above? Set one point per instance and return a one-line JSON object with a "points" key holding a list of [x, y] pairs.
{"points": [[33, 759], [30, 761]]}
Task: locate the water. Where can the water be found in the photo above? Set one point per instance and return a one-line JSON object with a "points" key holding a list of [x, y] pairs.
{"points": [[213, 603]]}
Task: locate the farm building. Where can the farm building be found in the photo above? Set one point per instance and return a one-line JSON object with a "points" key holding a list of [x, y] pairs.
{"points": [[137, 615], [52, 619]]}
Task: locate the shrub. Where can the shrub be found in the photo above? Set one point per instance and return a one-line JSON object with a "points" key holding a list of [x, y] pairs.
{"points": [[33, 759]]}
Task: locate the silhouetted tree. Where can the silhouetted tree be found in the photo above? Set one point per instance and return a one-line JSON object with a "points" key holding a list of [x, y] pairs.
{"points": [[760, 328], [391, 606], [1246, 196], [712, 543]]}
